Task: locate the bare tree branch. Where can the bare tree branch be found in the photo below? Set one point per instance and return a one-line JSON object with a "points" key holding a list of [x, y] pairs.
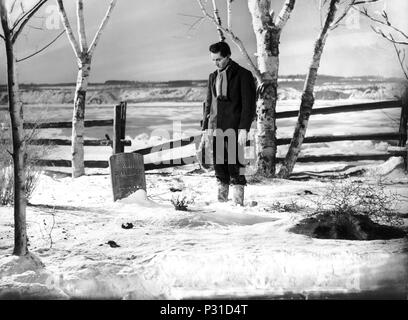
{"points": [[81, 26], [236, 41], [2, 37], [34, 27], [23, 21], [4, 22], [336, 23], [12, 6], [401, 60], [195, 23], [42, 49], [285, 13], [388, 37], [351, 5], [189, 15], [218, 20], [68, 29], [20, 16], [191, 26], [321, 11], [385, 22], [364, 1], [229, 14], [101, 27]]}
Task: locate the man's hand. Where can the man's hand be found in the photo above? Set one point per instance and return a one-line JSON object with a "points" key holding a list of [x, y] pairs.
{"points": [[242, 137], [205, 140]]}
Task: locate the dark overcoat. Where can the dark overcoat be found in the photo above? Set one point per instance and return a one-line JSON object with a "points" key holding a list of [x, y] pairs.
{"points": [[237, 109]]}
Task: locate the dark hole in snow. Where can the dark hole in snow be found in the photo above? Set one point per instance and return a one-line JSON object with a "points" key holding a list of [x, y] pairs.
{"points": [[305, 192], [346, 227], [113, 244], [127, 225]]}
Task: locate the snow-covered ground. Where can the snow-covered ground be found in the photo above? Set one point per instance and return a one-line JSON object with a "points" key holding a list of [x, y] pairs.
{"points": [[212, 250]]}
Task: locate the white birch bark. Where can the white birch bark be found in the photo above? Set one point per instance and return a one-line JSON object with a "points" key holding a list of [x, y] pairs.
{"points": [[78, 119], [218, 20], [81, 26], [229, 14], [68, 30], [267, 40], [307, 96], [266, 69], [84, 60]]}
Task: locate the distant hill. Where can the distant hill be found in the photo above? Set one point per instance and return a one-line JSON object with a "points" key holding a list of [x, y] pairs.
{"points": [[290, 87], [200, 83]]}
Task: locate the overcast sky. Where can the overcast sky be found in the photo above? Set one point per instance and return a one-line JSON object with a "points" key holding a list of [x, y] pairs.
{"points": [[150, 40]]}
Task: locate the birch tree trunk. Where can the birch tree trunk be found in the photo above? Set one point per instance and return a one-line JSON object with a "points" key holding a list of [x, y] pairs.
{"points": [[16, 116], [307, 100], [78, 117], [267, 39], [84, 59], [267, 32], [265, 142]]}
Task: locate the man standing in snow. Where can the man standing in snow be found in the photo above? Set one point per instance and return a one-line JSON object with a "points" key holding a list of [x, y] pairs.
{"points": [[229, 110]]}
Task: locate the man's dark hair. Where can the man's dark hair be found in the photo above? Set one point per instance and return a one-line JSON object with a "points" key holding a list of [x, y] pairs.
{"points": [[221, 47]]}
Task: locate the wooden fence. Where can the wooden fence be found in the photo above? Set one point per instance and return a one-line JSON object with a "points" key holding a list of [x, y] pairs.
{"points": [[119, 125], [400, 136], [117, 142]]}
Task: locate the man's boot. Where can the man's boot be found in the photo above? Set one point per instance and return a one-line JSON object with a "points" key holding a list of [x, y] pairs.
{"points": [[238, 194], [223, 189]]}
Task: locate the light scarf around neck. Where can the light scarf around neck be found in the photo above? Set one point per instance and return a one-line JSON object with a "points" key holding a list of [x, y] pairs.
{"points": [[221, 83]]}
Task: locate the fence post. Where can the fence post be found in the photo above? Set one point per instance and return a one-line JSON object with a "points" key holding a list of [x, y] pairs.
{"points": [[404, 127], [119, 127], [403, 120]]}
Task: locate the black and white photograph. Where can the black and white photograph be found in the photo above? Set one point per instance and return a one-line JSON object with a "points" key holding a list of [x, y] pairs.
{"points": [[203, 150]]}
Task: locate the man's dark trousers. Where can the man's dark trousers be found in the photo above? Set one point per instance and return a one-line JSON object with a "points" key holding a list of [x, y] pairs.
{"points": [[226, 159]]}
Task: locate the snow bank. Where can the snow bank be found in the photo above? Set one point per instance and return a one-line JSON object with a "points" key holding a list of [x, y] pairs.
{"points": [[391, 171], [393, 166], [211, 250], [26, 277], [10, 265]]}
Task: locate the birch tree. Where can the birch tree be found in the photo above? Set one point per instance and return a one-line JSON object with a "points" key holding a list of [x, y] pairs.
{"points": [[83, 53], [11, 32], [268, 29], [332, 20]]}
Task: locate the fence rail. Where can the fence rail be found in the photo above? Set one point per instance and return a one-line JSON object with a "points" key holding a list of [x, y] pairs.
{"points": [[117, 143], [346, 137], [67, 163], [192, 159], [168, 145], [382, 136], [67, 142], [67, 124], [345, 108], [119, 123]]}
